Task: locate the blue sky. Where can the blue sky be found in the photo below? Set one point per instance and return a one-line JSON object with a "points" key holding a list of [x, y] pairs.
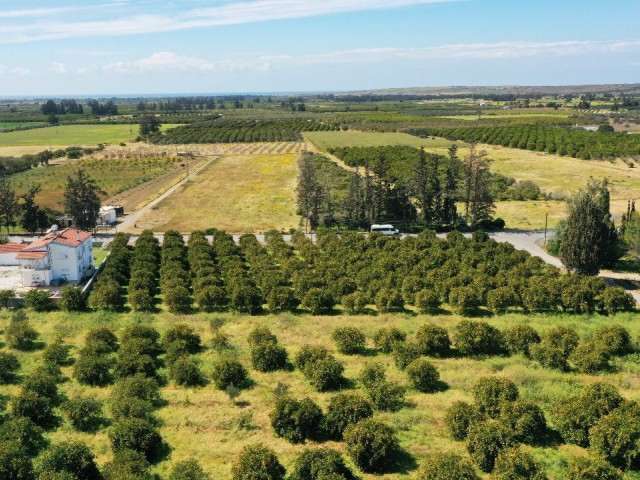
{"points": [[80, 47]]}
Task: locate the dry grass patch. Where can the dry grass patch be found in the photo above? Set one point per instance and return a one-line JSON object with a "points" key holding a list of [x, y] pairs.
{"points": [[237, 193]]}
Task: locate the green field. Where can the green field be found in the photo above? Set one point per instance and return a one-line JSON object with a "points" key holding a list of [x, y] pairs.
{"points": [[72, 135], [488, 115], [12, 125], [202, 423], [326, 140]]}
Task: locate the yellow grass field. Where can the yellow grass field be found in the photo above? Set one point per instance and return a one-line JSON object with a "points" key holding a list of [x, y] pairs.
{"points": [[237, 193], [201, 422]]}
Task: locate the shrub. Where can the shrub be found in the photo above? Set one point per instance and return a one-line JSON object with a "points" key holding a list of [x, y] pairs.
{"points": [[229, 372], [574, 416], [132, 362], [281, 298], [588, 357], [433, 341], [19, 333], [309, 354], [70, 457], [320, 464], [354, 302], [485, 441], [83, 413], [404, 353], [371, 374], [41, 383], [325, 374], [141, 300], [130, 407], [389, 300], [101, 340], [616, 299], [57, 353], [106, 296], [318, 301], [268, 357], [71, 300], [15, 463], [478, 338], [614, 339], [549, 356], [446, 466], [245, 299], [591, 468], [464, 300], [515, 464], [261, 335], [127, 465], [188, 469], [385, 338], [459, 418], [295, 420], [38, 300], [500, 299], [564, 338], [525, 420], [211, 298], [616, 436], [371, 444], [388, 396], [349, 340], [25, 432], [5, 297], [92, 369], [137, 386], [423, 375], [428, 301], [9, 367], [257, 462], [135, 434], [519, 338], [491, 393], [178, 299], [346, 409], [185, 336], [34, 407], [185, 372]]}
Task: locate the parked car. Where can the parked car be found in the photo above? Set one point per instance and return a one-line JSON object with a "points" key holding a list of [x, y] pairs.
{"points": [[385, 229]]}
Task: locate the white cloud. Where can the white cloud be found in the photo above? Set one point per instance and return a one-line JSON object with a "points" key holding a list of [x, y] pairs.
{"points": [[59, 68], [44, 12], [232, 13], [15, 71], [169, 61]]}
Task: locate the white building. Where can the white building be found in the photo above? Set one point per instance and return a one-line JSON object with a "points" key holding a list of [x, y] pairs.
{"points": [[66, 254], [107, 215]]}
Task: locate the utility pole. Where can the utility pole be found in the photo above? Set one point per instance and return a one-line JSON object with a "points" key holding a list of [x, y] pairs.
{"points": [[546, 218]]}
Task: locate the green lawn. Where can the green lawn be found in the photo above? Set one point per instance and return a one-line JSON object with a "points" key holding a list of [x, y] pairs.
{"points": [[71, 135]]}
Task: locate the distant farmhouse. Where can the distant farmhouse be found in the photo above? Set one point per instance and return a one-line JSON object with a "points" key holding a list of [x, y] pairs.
{"points": [[60, 256]]}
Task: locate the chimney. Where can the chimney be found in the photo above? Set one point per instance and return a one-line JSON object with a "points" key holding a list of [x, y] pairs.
{"points": [[78, 235]]}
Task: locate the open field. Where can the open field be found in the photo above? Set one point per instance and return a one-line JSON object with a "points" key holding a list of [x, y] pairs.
{"points": [[488, 115], [237, 193], [530, 215], [71, 135], [113, 176], [326, 140], [202, 423]]}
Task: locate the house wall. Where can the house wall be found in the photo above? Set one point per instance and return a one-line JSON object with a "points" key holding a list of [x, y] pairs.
{"points": [[36, 278], [73, 263], [9, 259]]}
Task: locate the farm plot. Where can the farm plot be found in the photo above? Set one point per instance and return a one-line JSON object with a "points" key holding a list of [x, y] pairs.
{"points": [[327, 140], [238, 193], [113, 176], [71, 135]]}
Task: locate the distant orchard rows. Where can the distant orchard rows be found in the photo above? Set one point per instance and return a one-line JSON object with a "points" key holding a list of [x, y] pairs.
{"points": [[471, 275]]}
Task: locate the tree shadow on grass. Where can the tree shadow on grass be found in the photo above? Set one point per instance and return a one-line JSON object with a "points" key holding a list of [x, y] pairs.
{"points": [[402, 462]]}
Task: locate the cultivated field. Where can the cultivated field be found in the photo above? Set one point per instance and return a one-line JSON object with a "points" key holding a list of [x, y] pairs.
{"points": [[113, 176], [71, 135], [203, 423], [326, 140], [237, 193]]}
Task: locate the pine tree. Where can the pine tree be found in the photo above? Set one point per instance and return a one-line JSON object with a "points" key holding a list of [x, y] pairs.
{"points": [[82, 200], [479, 206], [449, 213], [310, 192], [9, 207], [423, 188]]}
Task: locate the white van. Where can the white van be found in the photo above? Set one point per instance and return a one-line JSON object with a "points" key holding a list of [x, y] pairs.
{"points": [[385, 229]]}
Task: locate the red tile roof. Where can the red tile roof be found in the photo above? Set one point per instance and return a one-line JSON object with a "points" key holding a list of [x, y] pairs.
{"points": [[30, 255], [71, 237], [12, 247]]}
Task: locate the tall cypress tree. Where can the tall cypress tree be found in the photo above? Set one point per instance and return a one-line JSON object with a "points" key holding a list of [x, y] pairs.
{"points": [[449, 212]]}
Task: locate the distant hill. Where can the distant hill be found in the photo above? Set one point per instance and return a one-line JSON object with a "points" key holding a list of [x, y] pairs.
{"points": [[503, 90]]}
